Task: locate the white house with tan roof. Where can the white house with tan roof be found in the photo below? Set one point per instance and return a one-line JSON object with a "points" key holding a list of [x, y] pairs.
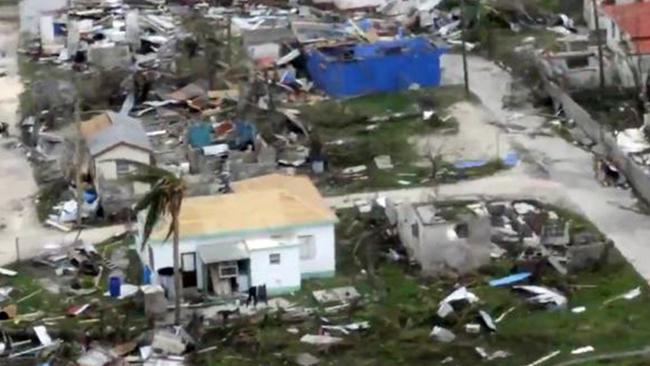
{"points": [[274, 230]]}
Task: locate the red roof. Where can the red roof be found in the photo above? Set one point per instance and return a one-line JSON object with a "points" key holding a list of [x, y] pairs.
{"points": [[633, 19]]}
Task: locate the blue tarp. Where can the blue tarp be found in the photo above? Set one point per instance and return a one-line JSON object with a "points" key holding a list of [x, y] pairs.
{"points": [[383, 66], [466, 164], [198, 134], [511, 159], [508, 280], [245, 133], [90, 195]]}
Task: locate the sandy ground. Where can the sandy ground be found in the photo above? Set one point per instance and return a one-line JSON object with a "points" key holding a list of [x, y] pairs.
{"points": [[476, 139], [552, 169], [17, 210]]}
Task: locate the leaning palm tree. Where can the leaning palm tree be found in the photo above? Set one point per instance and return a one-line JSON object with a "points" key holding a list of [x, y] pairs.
{"points": [[164, 199]]}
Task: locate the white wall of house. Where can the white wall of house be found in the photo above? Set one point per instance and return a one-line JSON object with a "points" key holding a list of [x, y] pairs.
{"points": [[278, 268], [406, 220], [106, 164], [321, 263], [317, 251]]}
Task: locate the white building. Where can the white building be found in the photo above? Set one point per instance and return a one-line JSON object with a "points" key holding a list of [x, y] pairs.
{"points": [[274, 230], [627, 32]]}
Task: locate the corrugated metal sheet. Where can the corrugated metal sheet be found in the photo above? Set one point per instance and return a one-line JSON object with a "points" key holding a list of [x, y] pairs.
{"points": [[223, 252]]}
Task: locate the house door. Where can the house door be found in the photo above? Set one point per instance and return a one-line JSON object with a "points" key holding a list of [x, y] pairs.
{"points": [[188, 269]]}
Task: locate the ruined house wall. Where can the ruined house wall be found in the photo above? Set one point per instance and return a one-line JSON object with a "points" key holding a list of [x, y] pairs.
{"points": [[106, 167]]}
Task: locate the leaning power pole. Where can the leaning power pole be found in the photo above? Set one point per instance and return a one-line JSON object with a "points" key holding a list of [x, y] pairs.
{"points": [[599, 39], [463, 33], [79, 160]]}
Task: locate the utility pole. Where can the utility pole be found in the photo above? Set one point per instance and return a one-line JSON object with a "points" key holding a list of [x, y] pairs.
{"points": [[599, 39], [229, 36], [462, 25], [78, 160]]}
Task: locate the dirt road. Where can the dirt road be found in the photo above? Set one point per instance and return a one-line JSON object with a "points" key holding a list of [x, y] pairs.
{"points": [[552, 169], [17, 210]]}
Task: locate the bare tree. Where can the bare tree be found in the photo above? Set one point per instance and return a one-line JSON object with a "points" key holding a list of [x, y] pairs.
{"points": [[434, 155]]}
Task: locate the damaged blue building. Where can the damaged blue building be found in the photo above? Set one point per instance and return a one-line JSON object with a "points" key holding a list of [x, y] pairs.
{"points": [[355, 69]]}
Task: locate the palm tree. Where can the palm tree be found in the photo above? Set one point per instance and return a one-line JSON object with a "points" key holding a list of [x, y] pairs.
{"points": [[163, 199]]}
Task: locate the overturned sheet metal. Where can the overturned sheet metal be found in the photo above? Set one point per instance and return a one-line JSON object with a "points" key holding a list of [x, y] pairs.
{"points": [[544, 295]]}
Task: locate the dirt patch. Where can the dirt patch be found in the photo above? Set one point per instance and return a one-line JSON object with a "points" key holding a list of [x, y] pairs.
{"points": [[476, 139]]}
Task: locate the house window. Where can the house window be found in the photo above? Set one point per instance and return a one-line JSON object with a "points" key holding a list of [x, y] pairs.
{"points": [[228, 269], [415, 230], [307, 247], [188, 262], [577, 62], [274, 258], [122, 168], [613, 29]]}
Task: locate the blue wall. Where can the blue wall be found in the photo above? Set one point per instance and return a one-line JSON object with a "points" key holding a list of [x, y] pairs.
{"points": [[366, 68]]}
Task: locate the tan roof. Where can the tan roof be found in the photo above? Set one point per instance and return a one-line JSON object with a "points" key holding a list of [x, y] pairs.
{"points": [[91, 127], [298, 185], [245, 213]]}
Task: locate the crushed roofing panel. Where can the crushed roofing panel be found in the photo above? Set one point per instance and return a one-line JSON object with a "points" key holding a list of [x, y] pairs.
{"points": [[223, 252]]}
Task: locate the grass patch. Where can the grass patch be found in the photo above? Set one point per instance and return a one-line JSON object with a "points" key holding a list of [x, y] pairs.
{"points": [[356, 130]]}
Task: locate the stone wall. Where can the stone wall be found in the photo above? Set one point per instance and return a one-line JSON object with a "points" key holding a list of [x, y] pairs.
{"points": [[637, 175]]}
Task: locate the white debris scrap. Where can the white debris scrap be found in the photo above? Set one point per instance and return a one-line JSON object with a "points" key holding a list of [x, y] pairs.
{"points": [[444, 309], [8, 272], [544, 359], [320, 339], [442, 335], [581, 350], [459, 294], [579, 309], [632, 140], [43, 336], [522, 208], [473, 328], [544, 295], [491, 356], [632, 294], [487, 319]]}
